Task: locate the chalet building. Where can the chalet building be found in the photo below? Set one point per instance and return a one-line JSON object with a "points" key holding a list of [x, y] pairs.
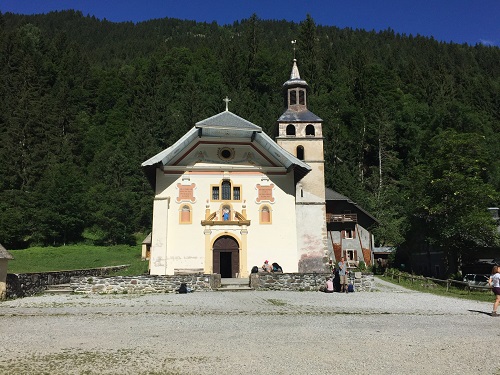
{"points": [[349, 230], [5, 257], [228, 197], [431, 262], [382, 254]]}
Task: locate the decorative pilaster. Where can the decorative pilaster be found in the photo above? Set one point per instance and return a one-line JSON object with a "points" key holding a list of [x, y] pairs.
{"points": [[243, 252]]}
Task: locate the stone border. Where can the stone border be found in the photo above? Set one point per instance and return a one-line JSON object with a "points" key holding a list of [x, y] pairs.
{"points": [[306, 281], [144, 284], [28, 284], [209, 282], [95, 281]]}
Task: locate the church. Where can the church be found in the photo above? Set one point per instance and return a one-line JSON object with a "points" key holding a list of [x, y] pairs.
{"points": [[228, 197]]}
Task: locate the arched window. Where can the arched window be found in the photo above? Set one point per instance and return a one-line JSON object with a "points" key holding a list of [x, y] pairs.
{"points": [[300, 152], [290, 130], [265, 215], [226, 190], [310, 130], [185, 214], [302, 97], [293, 97]]}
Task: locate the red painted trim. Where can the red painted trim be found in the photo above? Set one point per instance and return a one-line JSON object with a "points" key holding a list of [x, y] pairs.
{"points": [[180, 172]]}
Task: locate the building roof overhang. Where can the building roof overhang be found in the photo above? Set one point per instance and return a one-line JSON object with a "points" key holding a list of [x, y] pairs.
{"points": [[225, 125], [332, 195], [4, 254]]}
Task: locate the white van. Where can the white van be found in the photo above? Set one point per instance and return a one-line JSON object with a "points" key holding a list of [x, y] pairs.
{"points": [[476, 279]]}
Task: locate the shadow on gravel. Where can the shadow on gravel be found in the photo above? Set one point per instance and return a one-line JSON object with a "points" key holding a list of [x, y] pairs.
{"points": [[480, 312]]}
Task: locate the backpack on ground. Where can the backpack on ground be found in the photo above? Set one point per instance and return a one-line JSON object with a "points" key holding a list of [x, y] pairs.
{"points": [[182, 289]]}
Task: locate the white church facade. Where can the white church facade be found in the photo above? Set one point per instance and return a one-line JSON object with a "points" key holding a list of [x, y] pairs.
{"points": [[228, 197]]}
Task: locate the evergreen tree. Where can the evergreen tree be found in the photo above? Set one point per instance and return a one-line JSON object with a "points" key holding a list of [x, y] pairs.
{"points": [[96, 98]]}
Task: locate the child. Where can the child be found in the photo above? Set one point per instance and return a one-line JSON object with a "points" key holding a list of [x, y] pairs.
{"points": [[494, 282]]}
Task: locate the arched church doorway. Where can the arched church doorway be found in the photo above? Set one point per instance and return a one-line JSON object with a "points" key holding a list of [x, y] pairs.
{"points": [[226, 257]]}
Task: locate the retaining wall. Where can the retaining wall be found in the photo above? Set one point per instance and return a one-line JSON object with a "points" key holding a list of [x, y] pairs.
{"points": [[144, 284], [305, 281], [208, 282], [28, 284], [95, 281]]}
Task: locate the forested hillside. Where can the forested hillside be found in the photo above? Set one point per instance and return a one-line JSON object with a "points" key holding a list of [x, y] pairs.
{"points": [[412, 125]]}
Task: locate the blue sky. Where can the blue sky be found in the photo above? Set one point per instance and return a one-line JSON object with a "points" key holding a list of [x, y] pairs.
{"points": [[459, 21]]}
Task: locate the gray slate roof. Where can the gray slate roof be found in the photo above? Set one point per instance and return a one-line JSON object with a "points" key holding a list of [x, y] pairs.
{"points": [[227, 120], [302, 116], [147, 240], [384, 249], [332, 195], [228, 125], [4, 254]]}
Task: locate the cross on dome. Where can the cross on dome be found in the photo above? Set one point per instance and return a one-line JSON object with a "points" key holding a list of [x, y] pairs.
{"points": [[227, 100], [294, 42]]}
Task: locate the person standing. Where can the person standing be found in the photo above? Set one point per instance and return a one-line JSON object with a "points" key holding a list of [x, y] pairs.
{"points": [[343, 275], [335, 274], [336, 280], [494, 282]]}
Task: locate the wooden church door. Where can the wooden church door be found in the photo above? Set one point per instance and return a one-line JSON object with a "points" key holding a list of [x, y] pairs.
{"points": [[226, 257]]}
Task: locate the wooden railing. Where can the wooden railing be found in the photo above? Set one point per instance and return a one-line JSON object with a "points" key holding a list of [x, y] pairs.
{"points": [[394, 274], [341, 218]]}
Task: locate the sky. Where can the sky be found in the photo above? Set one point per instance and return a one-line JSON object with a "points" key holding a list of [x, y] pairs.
{"points": [[458, 21]]}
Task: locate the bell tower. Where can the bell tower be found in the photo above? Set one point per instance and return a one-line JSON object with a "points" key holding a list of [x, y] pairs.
{"points": [[300, 133]]}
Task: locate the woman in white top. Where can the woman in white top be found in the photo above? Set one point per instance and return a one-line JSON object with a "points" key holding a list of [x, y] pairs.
{"points": [[494, 282]]}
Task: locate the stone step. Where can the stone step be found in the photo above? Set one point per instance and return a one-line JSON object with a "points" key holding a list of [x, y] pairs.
{"points": [[233, 289], [234, 285], [234, 281], [59, 289]]}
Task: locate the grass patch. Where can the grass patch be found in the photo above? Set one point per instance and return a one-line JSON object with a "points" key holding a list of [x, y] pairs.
{"points": [[429, 286], [276, 302], [75, 257], [85, 362]]}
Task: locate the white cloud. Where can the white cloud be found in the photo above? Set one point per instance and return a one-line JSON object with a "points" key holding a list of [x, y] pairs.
{"points": [[487, 42]]}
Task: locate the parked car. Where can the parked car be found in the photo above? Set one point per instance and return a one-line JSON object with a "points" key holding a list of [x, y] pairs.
{"points": [[476, 279]]}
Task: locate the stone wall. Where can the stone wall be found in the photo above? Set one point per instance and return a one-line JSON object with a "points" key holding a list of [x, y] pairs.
{"points": [[305, 281], [364, 283], [95, 281], [144, 284], [28, 284], [169, 284]]}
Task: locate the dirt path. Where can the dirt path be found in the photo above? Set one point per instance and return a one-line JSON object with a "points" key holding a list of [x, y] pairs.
{"points": [[386, 332]]}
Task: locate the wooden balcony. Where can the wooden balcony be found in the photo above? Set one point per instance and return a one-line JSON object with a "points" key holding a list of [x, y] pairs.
{"points": [[341, 218]]}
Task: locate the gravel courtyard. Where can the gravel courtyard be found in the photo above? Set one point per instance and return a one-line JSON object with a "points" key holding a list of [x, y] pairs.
{"points": [[391, 331]]}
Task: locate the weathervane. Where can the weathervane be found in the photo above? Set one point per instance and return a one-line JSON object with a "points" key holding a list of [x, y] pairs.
{"points": [[227, 100], [294, 42]]}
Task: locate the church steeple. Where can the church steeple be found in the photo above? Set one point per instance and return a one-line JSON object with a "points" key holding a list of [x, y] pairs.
{"points": [[296, 112], [295, 71], [295, 91], [300, 133]]}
